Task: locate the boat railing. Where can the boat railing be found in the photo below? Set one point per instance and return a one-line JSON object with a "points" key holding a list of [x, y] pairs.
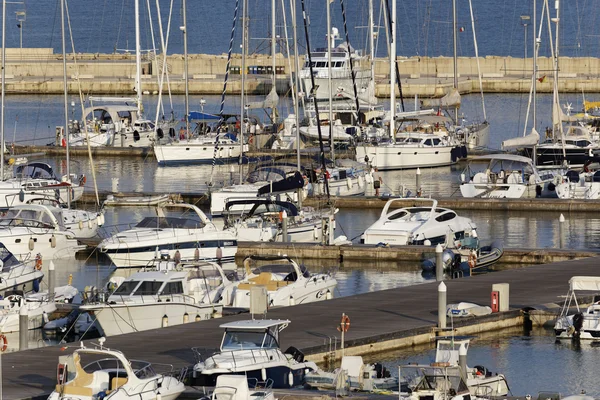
{"points": [[112, 230], [21, 270]]}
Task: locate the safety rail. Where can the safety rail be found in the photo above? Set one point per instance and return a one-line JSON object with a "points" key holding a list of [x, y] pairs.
{"points": [[95, 296], [113, 230]]}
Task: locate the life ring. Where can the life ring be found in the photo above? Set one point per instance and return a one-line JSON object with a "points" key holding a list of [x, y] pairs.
{"points": [[3, 343], [472, 260], [344, 324], [327, 175], [305, 180], [38, 261]]}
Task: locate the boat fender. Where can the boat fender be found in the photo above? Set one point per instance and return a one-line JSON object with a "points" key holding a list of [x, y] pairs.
{"points": [[292, 301], [291, 379], [186, 318], [31, 244], [349, 182], [172, 132], [219, 254], [36, 285], [159, 133], [21, 196], [80, 225], [328, 295], [100, 219], [198, 318], [165, 321], [38, 261], [197, 254], [472, 259], [551, 187], [89, 223], [136, 136], [263, 374], [177, 257], [53, 241]]}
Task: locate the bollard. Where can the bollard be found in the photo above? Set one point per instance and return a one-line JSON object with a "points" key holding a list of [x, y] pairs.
{"points": [[51, 278], [439, 263], [284, 226], [462, 361], [115, 185], [561, 236], [231, 172], [418, 183], [442, 305], [23, 328]]}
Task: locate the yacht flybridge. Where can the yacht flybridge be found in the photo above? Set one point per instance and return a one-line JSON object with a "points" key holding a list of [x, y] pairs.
{"points": [[422, 223], [251, 348]]}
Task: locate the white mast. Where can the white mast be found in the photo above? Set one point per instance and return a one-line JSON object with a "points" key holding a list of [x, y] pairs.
{"points": [[66, 106], [138, 59], [372, 41], [330, 39], [477, 58], [3, 89], [242, 94], [185, 71], [455, 58], [297, 82], [273, 60], [393, 74], [535, 75]]}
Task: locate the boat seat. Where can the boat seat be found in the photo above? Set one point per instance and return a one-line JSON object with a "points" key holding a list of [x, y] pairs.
{"points": [[117, 382], [262, 279], [81, 384]]}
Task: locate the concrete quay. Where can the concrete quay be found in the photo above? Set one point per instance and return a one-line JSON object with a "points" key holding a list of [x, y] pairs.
{"points": [[40, 71], [381, 321]]}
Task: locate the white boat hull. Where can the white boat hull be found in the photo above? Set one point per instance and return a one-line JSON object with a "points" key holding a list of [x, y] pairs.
{"points": [[9, 322], [18, 243], [201, 153], [345, 187], [394, 156], [301, 292], [132, 257], [118, 319]]}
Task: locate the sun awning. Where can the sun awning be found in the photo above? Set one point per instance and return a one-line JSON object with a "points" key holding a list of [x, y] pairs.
{"points": [[591, 283]]}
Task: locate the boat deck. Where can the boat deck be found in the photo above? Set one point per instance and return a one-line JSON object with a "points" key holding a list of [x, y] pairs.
{"points": [[375, 317]]}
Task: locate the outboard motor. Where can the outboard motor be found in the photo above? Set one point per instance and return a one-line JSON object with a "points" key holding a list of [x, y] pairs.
{"points": [[382, 372], [577, 325], [295, 353]]}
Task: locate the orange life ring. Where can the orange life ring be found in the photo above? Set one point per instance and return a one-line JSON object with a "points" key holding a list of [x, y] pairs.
{"points": [[344, 324], [472, 260], [3, 343], [38, 261]]}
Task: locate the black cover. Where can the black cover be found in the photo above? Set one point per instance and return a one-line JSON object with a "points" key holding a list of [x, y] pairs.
{"points": [[293, 182]]}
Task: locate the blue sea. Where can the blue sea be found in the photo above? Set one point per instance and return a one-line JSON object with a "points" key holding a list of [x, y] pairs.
{"points": [[424, 26]]}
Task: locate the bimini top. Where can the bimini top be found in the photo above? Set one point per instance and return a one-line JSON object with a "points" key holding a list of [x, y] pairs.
{"points": [[507, 157], [257, 324], [591, 283]]}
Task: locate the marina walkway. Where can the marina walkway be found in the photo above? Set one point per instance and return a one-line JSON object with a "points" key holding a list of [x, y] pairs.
{"points": [[375, 317]]}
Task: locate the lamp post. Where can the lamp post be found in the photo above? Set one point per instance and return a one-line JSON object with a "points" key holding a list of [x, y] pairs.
{"points": [[525, 21], [21, 16]]}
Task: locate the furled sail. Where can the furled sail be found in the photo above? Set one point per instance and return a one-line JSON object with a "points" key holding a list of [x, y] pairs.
{"points": [[529, 140], [270, 101], [450, 100]]}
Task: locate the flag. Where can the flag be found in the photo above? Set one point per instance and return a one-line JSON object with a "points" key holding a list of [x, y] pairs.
{"points": [[542, 79], [461, 29]]}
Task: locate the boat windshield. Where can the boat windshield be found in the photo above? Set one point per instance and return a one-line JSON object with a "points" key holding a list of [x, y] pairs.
{"points": [[126, 288], [26, 217], [8, 259], [114, 366], [170, 223], [246, 340], [425, 378]]}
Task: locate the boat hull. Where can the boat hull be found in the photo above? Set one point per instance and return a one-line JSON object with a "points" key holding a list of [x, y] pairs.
{"points": [[130, 257], [192, 153], [301, 292], [391, 156], [278, 374]]}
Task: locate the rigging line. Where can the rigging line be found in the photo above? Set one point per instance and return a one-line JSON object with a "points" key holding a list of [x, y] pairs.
{"points": [[222, 105], [398, 80], [351, 68], [119, 28]]}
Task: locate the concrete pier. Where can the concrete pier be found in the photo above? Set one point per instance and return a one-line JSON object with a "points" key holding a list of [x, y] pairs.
{"points": [[39, 71], [381, 321]]}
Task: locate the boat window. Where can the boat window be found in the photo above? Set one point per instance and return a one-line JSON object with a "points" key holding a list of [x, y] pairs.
{"points": [[238, 340], [173, 288], [321, 64], [397, 215], [427, 142], [436, 142], [148, 288], [447, 216], [170, 223], [126, 288], [274, 269]]}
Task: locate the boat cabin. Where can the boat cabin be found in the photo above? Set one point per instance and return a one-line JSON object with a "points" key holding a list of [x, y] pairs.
{"points": [[32, 216], [162, 286], [252, 334], [500, 169]]}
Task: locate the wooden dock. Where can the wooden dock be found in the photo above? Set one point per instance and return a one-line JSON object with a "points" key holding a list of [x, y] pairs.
{"points": [[380, 321]]}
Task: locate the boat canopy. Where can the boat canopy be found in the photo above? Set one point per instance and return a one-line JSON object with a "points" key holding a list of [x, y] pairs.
{"points": [[589, 283], [260, 206], [256, 324], [202, 116], [35, 170]]}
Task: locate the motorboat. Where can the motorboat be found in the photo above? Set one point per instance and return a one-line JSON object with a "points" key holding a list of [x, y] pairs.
{"points": [[354, 374], [506, 176], [37, 312], [37, 179], [279, 179], [91, 373], [219, 148], [251, 348], [344, 178], [16, 276], [449, 378], [263, 222], [465, 256], [76, 324], [584, 324], [286, 282], [235, 387], [415, 150], [186, 232], [579, 185], [423, 223], [36, 228], [153, 299]]}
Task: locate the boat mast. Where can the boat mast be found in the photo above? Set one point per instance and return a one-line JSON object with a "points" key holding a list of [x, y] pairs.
{"points": [[242, 94], [66, 106], [535, 74], [297, 83], [330, 39], [372, 42], [455, 58], [477, 58], [556, 98], [2, 147], [138, 59], [185, 71], [273, 60], [393, 73]]}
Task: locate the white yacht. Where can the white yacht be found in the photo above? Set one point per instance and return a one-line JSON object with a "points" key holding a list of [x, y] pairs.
{"points": [[151, 300], [88, 374], [282, 179], [418, 224], [17, 276], [37, 312], [579, 185], [186, 233], [286, 282], [506, 176], [251, 348], [344, 178], [584, 324], [263, 222], [200, 150], [35, 228], [355, 375], [415, 150]]}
